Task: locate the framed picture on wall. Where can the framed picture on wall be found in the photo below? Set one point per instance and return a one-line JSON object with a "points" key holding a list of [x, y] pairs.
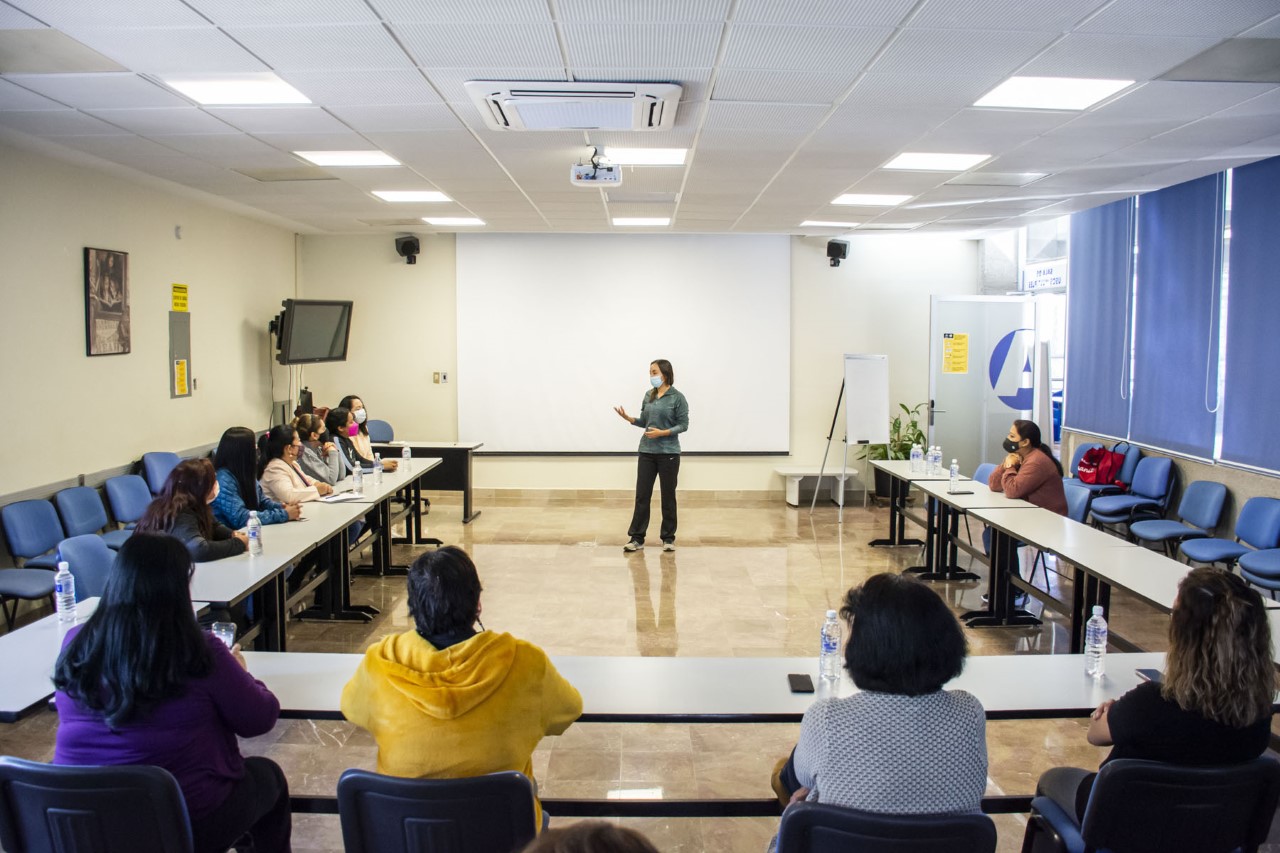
{"points": [[106, 302]]}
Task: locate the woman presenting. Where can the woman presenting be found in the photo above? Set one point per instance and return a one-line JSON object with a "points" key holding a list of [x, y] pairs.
{"points": [[664, 414]]}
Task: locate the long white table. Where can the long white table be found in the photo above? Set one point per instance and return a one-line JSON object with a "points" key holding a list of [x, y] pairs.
{"points": [[731, 690], [28, 655], [945, 508], [901, 479], [454, 473]]}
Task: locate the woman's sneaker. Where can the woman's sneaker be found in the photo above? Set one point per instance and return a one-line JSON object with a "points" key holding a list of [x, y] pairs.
{"points": [[633, 545], [668, 546]]}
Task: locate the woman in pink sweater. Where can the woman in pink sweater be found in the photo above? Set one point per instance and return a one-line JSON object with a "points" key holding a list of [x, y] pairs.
{"points": [[1030, 471]]}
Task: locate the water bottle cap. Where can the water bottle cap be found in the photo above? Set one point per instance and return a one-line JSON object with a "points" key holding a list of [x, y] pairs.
{"points": [[831, 614], [954, 462], [63, 567], [1097, 610], [253, 513]]}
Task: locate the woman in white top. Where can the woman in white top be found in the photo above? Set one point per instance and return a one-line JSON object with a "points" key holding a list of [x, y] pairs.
{"points": [[281, 478]]}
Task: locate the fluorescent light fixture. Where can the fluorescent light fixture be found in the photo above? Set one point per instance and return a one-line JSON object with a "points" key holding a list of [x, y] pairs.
{"points": [[925, 162], [648, 221], [1051, 93], [237, 89], [870, 200], [348, 158], [452, 220], [817, 223], [646, 156], [411, 195]]}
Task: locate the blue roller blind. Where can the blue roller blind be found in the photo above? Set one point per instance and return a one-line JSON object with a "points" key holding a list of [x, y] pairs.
{"points": [[1098, 314], [1175, 366], [1251, 401]]}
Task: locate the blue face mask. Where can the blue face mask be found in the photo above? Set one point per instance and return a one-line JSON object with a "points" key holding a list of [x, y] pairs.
{"points": [[656, 381]]}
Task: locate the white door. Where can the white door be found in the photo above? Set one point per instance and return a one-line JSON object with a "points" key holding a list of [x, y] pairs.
{"points": [[981, 374]]}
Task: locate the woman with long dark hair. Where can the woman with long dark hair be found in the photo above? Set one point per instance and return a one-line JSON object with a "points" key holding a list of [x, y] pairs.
{"points": [[282, 480], [664, 414], [342, 426], [140, 683], [1030, 471], [182, 511], [360, 434], [236, 461], [1213, 704]]}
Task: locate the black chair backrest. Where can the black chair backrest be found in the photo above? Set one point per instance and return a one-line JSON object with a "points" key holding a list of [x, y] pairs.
{"points": [[388, 814], [1151, 807], [49, 808], [817, 828]]}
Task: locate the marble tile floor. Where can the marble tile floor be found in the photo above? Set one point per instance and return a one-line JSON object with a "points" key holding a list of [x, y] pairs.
{"points": [[751, 577]]}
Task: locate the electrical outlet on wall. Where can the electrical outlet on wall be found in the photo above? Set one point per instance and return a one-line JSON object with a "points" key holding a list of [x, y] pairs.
{"points": [[444, 378], [435, 378]]}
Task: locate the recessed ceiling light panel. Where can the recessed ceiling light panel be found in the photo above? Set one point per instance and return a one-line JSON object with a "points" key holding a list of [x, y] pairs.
{"points": [[452, 220], [401, 196], [348, 158], [642, 221], [818, 223], [870, 199], [1051, 93], [236, 89]]}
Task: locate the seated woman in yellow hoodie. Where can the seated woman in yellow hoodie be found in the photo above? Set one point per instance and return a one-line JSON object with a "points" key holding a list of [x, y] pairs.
{"points": [[444, 701]]}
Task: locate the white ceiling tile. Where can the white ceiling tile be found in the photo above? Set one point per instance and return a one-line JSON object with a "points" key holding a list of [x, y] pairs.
{"points": [[717, 141], [961, 53], [675, 11], [1180, 18], [1119, 57], [806, 87], [57, 123], [827, 49], [725, 115], [496, 43], [417, 117], [15, 97], [295, 119], [101, 91], [188, 50], [678, 138], [618, 45], [320, 48], [1055, 15], [837, 13], [234, 13], [12, 19], [69, 14], [385, 87], [237, 150], [164, 120], [299, 140], [920, 90], [441, 11], [1170, 100], [1269, 29]]}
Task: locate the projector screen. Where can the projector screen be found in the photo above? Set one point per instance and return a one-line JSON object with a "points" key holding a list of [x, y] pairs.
{"points": [[556, 330]]}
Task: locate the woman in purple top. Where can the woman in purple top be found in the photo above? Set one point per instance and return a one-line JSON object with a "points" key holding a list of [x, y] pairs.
{"points": [[140, 683]]}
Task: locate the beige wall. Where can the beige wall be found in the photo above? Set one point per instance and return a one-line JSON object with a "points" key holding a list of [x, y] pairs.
{"points": [[404, 330], [73, 414]]}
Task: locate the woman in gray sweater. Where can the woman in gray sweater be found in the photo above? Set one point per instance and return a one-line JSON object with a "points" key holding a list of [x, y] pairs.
{"points": [[900, 744], [319, 458], [182, 511]]}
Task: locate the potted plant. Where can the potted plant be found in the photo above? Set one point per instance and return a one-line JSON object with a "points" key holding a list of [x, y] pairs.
{"points": [[904, 433]]}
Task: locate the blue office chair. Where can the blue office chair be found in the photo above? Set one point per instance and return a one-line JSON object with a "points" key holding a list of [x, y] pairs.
{"points": [[129, 497], [156, 467], [1199, 512], [23, 585], [980, 475], [82, 512], [1260, 568], [1148, 495], [1077, 456], [32, 530], [50, 808], [90, 562], [818, 828], [1132, 455], [1258, 526], [380, 432], [388, 814], [1153, 807]]}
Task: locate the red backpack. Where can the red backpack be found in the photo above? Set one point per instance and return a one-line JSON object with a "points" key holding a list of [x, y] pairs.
{"points": [[1100, 466]]}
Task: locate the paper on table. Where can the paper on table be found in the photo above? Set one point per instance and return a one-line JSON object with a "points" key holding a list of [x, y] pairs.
{"points": [[338, 497]]}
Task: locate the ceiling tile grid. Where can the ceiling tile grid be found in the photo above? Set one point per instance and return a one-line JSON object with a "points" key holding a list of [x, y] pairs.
{"points": [[1114, 56], [330, 47], [420, 117], [676, 11], [867, 13], [961, 53], [597, 45], [1217, 20], [1047, 15], [441, 11], [494, 43], [101, 91], [15, 97], [240, 13], [790, 48], [810, 87], [69, 14]]}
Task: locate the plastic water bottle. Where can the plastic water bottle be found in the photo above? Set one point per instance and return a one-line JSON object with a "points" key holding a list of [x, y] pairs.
{"points": [[405, 455], [955, 475], [829, 661], [1095, 644], [64, 593], [254, 529], [377, 468], [932, 462], [357, 480], [917, 459]]}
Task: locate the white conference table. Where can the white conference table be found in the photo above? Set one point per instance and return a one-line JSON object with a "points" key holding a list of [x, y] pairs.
{"points": [[729, 690], [231, 580], [901, 479], [454, 473], [945, 508]]}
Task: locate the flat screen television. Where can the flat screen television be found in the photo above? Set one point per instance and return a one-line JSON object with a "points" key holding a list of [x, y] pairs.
{"points": [[310, 331]]}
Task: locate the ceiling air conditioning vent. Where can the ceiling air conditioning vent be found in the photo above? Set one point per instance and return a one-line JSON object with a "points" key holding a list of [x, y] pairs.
{"points": [[508, 105]]}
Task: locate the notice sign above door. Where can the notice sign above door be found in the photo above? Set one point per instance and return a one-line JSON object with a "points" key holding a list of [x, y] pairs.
{"points": [[955, 352], [179, 298]]}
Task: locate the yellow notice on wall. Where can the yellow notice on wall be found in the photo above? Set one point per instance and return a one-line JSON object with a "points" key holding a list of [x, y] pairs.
{"points": [[955, 352], [180, 297], [180, 388]]}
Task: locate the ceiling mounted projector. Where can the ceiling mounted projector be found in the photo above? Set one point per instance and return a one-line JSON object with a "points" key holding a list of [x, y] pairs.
{"points": [[590, 175], [507, 105]]}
